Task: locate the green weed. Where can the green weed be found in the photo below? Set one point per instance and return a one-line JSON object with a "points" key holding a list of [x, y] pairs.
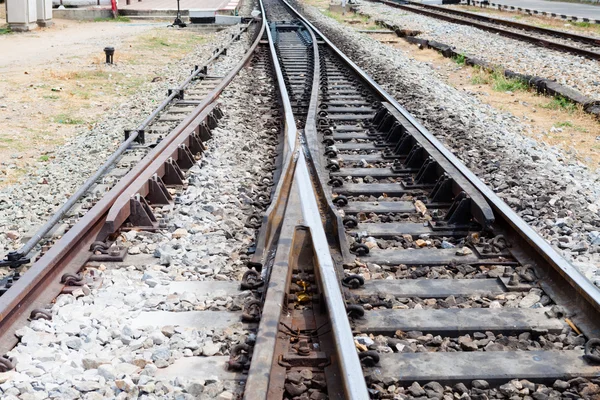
{"points": [[67, 120], [44, 158], [560, 103], [582, 24], [460, 59], [5, 31], [480, 79], [501, 83], [564, 124]]}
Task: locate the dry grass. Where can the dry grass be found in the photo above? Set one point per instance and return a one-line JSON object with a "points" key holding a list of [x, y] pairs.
{"points": [[54, 102], [3, 25]]}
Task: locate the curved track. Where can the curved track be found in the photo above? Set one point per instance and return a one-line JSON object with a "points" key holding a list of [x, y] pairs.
{"points": [[166, 153]]}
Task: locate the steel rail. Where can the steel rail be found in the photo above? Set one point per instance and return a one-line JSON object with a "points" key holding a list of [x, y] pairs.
{"points": [[546, 31], [39, 285], [263, 355], [352, 378], [349, 362], [15, 258], [574, 277], [514, 35]]}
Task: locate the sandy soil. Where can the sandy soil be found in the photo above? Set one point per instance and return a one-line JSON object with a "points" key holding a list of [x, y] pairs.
{"points": [[54, 82]]}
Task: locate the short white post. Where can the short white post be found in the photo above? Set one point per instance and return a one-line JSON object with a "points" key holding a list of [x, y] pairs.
{"points": [[21, 15], [44, 13]]}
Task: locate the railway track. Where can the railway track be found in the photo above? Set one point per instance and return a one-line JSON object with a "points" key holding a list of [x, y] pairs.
{"points": [[381, 267], [126, 194], [448, 292], [581, 45]]}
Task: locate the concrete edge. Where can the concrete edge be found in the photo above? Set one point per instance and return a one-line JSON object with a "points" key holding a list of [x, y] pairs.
{"points": [[81, 14], [541, 85]]}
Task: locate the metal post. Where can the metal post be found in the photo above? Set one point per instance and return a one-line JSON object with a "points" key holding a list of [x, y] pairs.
{"points": [[109, 52], [178, 21]]}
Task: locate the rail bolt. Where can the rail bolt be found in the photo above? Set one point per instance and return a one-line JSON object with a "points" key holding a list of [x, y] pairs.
{"points": [[369, 358]]}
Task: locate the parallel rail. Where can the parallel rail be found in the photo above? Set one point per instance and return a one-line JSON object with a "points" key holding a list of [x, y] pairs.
{"points": [[585, 46]]}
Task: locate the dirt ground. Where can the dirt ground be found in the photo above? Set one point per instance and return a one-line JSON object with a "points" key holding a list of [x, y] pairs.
{"points": [[54, 82], [568, 127]]}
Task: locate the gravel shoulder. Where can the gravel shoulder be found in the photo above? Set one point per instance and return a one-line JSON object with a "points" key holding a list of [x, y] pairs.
{"points": [[555, 194], [570, 70]]}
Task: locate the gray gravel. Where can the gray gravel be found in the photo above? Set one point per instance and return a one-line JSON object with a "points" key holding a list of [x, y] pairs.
{"points": [[89, 349], [481, 389], [570, 70], [548, 188]]}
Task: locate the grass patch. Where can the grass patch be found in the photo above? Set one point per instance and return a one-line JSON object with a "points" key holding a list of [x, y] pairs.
{"points": [[501, 83], [120, 18], [168, 42], [364, 18], [68, 120], [44, 158], [560, 103], [481, 78], [582, 24], [338, 17], [82, 94], [5, 31], [569, 124], [563, 124], [460, 59]]}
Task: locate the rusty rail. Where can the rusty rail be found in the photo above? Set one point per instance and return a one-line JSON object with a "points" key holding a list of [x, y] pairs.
{"points": [[41, 283], [19, 257], [304, 198], [576, 284]]}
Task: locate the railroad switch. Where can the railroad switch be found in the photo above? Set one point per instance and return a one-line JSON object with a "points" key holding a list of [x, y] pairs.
{"points": [[14, 259], [140, 138], [178, 93]]}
